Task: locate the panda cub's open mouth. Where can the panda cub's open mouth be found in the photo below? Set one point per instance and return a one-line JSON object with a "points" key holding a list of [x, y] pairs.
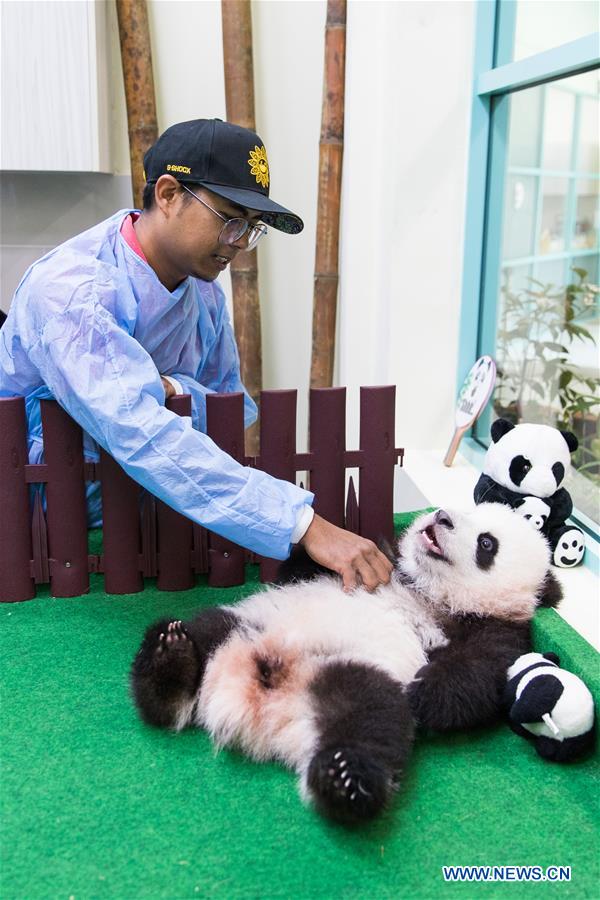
{"points": [[429, 541]]}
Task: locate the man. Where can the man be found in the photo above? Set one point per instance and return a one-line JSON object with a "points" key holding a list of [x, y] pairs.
{"points": [[120, 317]]}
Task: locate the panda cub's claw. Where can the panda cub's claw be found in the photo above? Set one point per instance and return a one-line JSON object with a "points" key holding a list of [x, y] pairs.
{"points": [[167, 652], [174, 637], [347, 785]]}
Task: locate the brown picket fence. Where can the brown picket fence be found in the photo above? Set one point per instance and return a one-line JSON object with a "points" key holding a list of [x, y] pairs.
{"points": [[143, 537]]}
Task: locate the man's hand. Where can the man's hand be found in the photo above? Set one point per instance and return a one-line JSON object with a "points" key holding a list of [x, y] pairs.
{"points": [[169, 389], [355, 558]]}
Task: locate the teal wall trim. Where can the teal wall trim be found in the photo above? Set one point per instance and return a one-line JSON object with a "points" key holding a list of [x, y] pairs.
{"points": [[494, 222], [476, 192], [506, 24], [575, 57]]}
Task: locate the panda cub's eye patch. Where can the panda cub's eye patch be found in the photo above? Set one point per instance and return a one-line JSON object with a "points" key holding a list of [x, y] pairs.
{"points": [[487, 547], [518, 469]]}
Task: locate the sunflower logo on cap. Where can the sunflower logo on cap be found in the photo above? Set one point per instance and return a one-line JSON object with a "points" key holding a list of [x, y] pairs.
{"points": [[259, 166]]}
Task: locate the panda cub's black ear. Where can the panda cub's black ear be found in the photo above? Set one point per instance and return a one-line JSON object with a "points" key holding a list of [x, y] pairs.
{"points": [[387, 550], [550, 592], [299, 566], [499, 428], [571, 439]]}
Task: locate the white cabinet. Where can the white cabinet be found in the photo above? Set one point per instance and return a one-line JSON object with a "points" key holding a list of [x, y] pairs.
{"points": [[54, 86]]}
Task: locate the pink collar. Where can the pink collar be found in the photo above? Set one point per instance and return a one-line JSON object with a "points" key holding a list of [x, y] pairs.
{"points": [[129, 235]]}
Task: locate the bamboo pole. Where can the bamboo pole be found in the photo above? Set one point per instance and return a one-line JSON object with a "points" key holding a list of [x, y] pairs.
{"points": [[331, 147], [239, 97], [136, 57]]}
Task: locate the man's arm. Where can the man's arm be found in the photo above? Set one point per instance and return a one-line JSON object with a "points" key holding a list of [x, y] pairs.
{"points": [[109, 384]]}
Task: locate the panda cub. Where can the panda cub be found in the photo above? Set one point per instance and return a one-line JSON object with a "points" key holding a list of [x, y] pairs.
{"points": [[333, 684]]}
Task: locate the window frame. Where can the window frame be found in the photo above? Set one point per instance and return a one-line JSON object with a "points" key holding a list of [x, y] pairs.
{"points": [[483, 214]]}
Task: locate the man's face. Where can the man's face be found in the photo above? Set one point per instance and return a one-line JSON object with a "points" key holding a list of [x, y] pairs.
{"points": [[190, 233]]}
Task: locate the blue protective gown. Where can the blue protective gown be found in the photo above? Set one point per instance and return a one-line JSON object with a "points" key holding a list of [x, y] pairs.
{"points": [[92, 326]]}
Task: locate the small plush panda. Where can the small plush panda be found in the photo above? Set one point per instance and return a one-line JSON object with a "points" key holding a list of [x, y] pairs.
{"points": [[551, 706], [524, 468], [534, 510], [333, 684]]}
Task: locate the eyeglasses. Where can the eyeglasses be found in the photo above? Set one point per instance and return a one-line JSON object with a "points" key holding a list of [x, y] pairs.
{"points": [[234, 229]]}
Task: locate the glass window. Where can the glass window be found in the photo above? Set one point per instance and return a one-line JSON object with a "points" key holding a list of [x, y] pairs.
{"points": [[553, 212], [559, 113], [585, 230], [519, 210], [526, 127], [546, 305], [588, 138], [527, 27]]}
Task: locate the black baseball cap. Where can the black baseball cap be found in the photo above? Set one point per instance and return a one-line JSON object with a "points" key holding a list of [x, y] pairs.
{"points": [[228, 160]]}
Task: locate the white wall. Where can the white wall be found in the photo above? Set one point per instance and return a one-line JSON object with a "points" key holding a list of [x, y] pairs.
{"points": [[408, 90], [407, 100]]}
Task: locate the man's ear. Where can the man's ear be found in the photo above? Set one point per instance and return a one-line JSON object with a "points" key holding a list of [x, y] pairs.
{"points": [[499, 428], [550, 592], [166, 191]]}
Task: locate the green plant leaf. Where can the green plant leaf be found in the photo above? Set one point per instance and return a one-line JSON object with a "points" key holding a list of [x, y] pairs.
{"points": [[564, 379]]}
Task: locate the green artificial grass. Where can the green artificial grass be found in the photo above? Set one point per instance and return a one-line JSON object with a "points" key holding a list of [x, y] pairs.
{"points": [[97, 805]]}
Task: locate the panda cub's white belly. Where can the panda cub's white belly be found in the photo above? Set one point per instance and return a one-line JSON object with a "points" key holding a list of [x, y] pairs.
{"points": [[389, 628], [256, 687]]}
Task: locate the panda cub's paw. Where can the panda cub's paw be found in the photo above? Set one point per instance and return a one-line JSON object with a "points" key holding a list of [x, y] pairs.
{"points": [[347, 785], [167, 652], [569, 549]]}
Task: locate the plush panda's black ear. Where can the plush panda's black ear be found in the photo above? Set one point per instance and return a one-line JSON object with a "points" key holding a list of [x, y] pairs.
{"points": [[550, 592], [572, 442], [499, 428]]}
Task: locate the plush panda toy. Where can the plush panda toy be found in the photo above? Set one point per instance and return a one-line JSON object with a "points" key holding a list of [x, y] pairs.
{"points": [[524, 468], [333, 684], [550, 706], [534, 510]]}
